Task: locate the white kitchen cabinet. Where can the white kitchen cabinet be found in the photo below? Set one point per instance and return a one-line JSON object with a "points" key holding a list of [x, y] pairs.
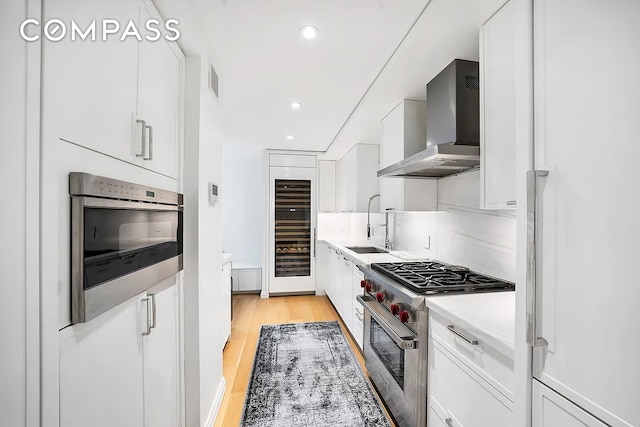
{"points": [[333, 283], [327, 186], [470, 383], [161, 361], [159, 82], [101, 376], [346, 292], [551, 409], [225, 295], [357, 179], [497, 111], [122, 368], [402, 134], [357, 310], [586, 344], [90, 88], [458, 396], [94, 92], [323, 268]]}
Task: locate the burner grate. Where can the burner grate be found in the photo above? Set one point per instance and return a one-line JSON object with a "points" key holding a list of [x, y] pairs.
{"points": [[433, 277]]}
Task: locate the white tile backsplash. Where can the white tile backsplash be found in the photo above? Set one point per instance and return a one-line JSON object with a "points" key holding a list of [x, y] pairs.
{"points": [[458, 233]]}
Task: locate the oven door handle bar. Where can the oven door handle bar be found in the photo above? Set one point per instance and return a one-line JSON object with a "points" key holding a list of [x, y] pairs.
{"points": [[401, 338]]}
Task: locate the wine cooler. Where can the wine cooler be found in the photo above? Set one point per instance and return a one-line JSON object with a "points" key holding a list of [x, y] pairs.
{"points": [[293, 228], [293, 232]]}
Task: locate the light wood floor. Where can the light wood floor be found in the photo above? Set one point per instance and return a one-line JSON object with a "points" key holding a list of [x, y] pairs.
{"points": [[249, 313]]}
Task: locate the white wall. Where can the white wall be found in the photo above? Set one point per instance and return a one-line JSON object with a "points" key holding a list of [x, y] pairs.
{"points": [[203, 339], [19, 224], [242, 202]]}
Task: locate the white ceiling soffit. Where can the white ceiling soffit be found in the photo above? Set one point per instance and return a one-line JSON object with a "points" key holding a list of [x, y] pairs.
{"points": [[447, 30], [266, 64], [368, 56]]}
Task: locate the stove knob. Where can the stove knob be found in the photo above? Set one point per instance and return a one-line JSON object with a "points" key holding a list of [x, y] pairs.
{"points": [[395, 309], [363, 283], [404, 316], [368, 287], [380, 296]]}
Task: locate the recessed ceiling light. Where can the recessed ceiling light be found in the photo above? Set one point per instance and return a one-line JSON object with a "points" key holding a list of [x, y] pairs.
{"points": [[309, 32], [296, 105], [289, 137]]}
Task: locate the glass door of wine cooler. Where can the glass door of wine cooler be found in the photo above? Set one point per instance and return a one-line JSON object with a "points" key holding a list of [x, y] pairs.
{"points": [[293, 230]]}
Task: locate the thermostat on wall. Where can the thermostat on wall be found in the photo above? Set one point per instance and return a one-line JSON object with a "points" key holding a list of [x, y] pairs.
{"points": [[213, 194]]}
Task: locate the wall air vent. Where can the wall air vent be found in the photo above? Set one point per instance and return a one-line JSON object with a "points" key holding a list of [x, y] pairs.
{"points": [[213, 80]]}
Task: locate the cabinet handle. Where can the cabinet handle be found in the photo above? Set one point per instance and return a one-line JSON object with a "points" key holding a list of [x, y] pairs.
{"points": [[150, 156], [472, 340], [532, 237], [314, 242], [511, 202], [149, 315], [153, 310], [144, 138]]}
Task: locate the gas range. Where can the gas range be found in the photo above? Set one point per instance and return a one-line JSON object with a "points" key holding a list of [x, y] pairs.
{"points": [[430, 277], [396, 324]]}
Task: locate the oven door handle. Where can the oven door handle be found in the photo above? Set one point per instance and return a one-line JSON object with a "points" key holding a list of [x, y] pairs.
{"points": [[406, 340]]}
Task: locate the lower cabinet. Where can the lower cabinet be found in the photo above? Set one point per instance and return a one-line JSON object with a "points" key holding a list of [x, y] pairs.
{"points": [[357, 310], [345, 269], [323, 268], [461, 393], [225, 294], [122, 368], [161, 361], [341, 282], [551, 409]]}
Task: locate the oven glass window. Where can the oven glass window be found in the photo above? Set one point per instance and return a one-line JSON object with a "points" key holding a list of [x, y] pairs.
{"points": [[391, 356], [120, 241]]}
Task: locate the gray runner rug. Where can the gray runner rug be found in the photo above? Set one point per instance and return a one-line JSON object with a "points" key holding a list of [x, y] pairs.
{"points": [[305, 374]]}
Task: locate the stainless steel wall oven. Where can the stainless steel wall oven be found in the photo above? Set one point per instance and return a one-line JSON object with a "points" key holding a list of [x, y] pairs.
{"points": [[125, 238]]}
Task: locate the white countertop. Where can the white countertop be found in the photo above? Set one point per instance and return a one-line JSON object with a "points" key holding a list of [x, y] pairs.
{"points": [[489, 316], [226, 257], [360, 259]]}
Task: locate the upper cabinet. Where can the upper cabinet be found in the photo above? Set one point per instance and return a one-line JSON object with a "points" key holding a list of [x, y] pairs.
{"points": [[118, 97], [403, 133], [358, 179], [326, 186], [497, 111]]}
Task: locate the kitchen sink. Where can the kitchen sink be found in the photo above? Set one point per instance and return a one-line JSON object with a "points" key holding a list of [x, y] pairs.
{"points": [[367, 250]]}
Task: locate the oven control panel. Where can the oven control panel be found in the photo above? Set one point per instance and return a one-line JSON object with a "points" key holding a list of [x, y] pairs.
{"points": [[386, 298], [84, 184]]}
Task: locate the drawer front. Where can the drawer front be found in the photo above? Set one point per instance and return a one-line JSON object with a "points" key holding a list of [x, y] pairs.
{"points": [[459, 397], [493, 366]]}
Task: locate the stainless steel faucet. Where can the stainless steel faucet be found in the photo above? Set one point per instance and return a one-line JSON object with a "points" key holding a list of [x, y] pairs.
{"points": [[387, 243], [369, 216]]}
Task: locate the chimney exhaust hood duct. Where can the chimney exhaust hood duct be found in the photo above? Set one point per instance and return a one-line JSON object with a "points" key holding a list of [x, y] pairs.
{"points": [[453, 126]]}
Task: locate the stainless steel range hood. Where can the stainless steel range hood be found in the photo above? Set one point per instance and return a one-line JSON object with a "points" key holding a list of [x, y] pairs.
{"points": [[453, 126]]}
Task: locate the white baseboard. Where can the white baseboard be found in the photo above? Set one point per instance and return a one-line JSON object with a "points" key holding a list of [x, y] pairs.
{"points": [[215, 406]]}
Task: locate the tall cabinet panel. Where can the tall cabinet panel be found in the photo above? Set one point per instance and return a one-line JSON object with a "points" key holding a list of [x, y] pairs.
{"points": [[497, 111], [292, 229], [161, 350], [584, 318], [91, 86]]}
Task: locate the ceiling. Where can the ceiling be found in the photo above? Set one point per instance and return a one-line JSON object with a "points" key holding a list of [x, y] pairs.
{"points": [[368, 56]]}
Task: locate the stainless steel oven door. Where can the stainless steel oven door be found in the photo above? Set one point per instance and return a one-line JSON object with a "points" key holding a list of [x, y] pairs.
{"points": [[392, 355], [118, 249]]}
